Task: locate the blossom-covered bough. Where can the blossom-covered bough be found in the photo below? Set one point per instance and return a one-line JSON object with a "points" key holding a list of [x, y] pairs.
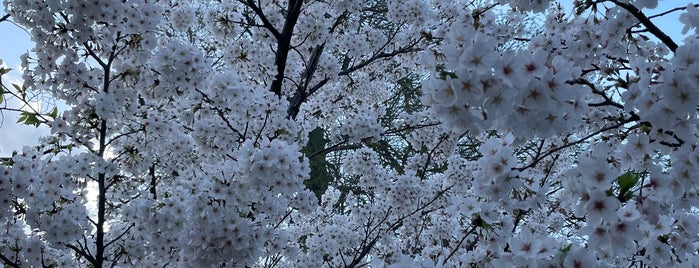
{"points": [[353, 133]]}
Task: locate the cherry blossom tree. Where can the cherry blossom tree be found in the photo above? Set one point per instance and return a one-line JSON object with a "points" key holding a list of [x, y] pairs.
{"points": [[353, 133]]}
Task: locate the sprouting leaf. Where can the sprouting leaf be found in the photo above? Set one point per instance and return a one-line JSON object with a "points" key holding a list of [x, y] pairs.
{"points": [[54, 113], [32, 120], [20, 89], [21, 118], [4, 70], [28, 118]]}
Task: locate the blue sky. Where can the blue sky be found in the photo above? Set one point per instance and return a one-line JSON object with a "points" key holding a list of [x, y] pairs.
{"points": [[670, 23], [14, 41]]}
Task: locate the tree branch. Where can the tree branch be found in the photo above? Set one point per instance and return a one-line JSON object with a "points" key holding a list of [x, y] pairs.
{"points": [[120, 235], [4, 17], [406, 49], [461, 241], [607, 99], [652, 28], [82, 253], [8, 262], [284, 44], [263, 18], [221, 114], [336, 147], [668, 12], [634, 117], [302, 91]]}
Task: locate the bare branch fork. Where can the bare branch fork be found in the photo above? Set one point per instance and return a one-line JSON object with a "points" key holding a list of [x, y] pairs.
{"points": [[8, 262], [369, 242], [302, 91]]}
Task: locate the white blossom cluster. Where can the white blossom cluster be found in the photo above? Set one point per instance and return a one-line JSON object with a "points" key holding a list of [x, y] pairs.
{"points": [[482, 88], [452, 134]]}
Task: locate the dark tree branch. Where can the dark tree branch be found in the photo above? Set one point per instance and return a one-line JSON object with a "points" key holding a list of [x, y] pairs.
{"points": [[668, 12], [633, 118], [221, 114], [652, 28], [337, 147], [286, 215], [247, 24], [82, 253], [258, 11], [327, 150], [423, 172], [679, 142], [382, 55], [339, 21], [153, 182], [284, 44], [420, 207], [94, 55], [607, 99], [8, 262], [120, 235], [458, 245], [302, 91], [22, 97], [294, 109], [368, 243], [125, 134]]}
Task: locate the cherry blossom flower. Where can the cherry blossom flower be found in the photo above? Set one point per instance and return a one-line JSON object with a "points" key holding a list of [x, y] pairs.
{"points": [[690, 19], [601, 207]]}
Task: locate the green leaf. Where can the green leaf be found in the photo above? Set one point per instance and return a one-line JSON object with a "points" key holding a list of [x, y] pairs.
{"points": [[627, 180], [32, 120], [20, 89], [4, 70], [609, 192], [444, 74], [566, 248], [28, 118], [54, 113], [22, 118]]}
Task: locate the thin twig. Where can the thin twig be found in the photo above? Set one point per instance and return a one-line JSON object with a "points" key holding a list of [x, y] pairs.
{"points": [[456, 248], [536, 161]]}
